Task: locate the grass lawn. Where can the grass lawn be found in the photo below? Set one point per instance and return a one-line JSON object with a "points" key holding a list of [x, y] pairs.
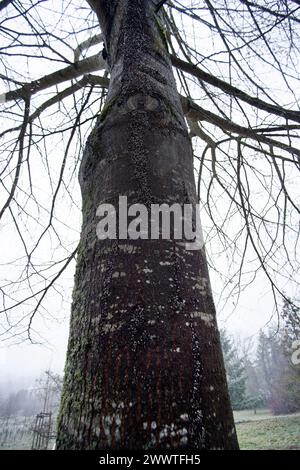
{"points": [[268, 432], [249, 415]]}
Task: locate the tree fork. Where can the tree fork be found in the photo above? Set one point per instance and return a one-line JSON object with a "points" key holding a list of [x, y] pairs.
{"points": [[144, 365]]}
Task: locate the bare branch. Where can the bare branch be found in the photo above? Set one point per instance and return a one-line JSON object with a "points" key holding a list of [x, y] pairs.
{"points": [[88, 65], [233, 91], [92, 41]]}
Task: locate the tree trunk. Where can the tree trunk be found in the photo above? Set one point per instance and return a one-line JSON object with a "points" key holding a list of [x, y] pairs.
{"points": [[144, 364]]}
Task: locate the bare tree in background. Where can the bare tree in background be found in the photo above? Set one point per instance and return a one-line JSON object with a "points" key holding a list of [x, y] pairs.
{"points": [[144, 356]]}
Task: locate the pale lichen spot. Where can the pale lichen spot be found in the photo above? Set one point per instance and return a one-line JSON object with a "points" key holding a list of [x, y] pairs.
{"points": [[201, 285], [182, 432], [184, 417], [206, 317], [109, 328], [128, 248], [117, 435]]}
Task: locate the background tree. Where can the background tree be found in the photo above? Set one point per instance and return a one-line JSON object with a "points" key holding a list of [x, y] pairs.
{"points": [[279, 377], [48, 391], [245, 135], [43, 395], [235, 372], [254, 397]]}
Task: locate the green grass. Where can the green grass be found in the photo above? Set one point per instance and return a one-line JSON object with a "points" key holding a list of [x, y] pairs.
{"points": [[249, 415], [276, 433]]}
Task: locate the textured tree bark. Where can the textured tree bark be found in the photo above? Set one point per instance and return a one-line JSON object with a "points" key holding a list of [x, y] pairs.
{"points": [[144, 365]]}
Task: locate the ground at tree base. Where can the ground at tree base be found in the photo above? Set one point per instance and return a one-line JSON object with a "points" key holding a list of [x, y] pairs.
{"points": [[260, 431]]}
